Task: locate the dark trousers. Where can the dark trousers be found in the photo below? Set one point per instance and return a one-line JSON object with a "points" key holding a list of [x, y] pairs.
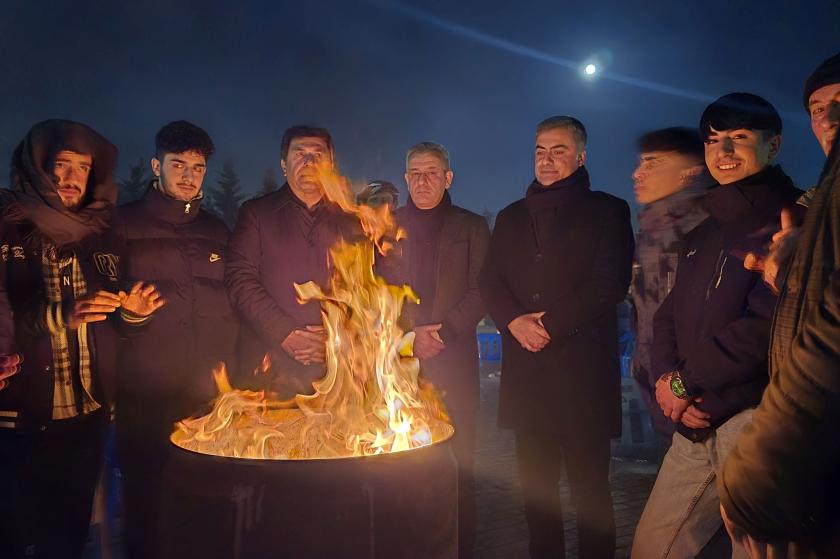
{"points": [[463, 446], [47, 482], [142, 447], [587, 461]]}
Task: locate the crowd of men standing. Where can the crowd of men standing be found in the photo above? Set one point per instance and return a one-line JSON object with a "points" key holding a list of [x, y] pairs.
{"points": [[129, 308]]}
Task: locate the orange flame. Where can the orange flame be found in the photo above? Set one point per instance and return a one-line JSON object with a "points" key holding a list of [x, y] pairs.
{"points": [[371, 399]]}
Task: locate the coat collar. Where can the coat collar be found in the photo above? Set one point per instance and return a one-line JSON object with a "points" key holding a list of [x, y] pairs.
{"points": [[169, 209]]}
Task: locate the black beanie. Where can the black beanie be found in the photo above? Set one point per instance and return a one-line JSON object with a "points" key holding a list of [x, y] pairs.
{"points": [[826, 74]]}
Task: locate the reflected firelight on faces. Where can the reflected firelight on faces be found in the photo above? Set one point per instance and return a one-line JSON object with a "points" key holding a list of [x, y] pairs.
{"points": [[428, 178], [301, 167], [732, 155], [557, 155], [661, 174], [181, 174], [71, 171], [824, 110]]}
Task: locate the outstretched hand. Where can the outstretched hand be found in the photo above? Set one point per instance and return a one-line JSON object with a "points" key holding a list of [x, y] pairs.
{"points": [[9, 366], [142, 300], [92, 308], [781, 250]]}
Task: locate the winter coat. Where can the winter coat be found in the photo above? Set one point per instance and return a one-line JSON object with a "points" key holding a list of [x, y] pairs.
{"points": [[572, 261], [28, 400], [663, 226], [278, 242], [457, 257], [714, 326], [780, 483], [181, 249]]}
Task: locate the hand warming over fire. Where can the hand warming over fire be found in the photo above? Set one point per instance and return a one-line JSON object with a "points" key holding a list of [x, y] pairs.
{"points": [[781, 250], [142, 300], [92, 308], [529, 331], [307, 345], [672, 406], [9, 365], [427, 341]]}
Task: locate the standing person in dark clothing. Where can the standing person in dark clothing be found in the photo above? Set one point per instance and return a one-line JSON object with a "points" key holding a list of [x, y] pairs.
{"points": [[779, 488], [440, 258], [281, 239], [712, 332], [61, 276], [558, 264], [670, 179], [166, 371]]}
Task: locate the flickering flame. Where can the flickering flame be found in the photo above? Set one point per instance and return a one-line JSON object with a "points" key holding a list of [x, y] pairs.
{"points": [[371, 399]]}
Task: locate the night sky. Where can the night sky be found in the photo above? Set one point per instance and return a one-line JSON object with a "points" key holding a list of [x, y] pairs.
{"points": [[475, 76]]}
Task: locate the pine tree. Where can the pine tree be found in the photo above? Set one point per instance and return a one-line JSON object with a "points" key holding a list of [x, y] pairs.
{"points": [[269, 183], [135, 185], [226, 197]]}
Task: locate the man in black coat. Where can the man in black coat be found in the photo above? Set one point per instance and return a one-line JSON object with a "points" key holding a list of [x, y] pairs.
{"points": [[166, 371], [62, 275], [281, 239], [711, 334], [558, 264], [440, 258]]}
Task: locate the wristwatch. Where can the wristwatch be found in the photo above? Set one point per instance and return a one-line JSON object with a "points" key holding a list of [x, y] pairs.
{"points": [[677, 386]]}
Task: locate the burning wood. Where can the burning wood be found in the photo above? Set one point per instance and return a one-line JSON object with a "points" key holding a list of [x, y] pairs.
{"points": [[370, 400]]}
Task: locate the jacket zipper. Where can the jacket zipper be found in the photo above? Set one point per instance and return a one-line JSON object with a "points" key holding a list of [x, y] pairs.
{"points": [[721, 261]]}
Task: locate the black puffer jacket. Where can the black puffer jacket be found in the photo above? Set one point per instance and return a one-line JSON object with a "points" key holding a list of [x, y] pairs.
{"points": [[714, 326], [181, 249]]}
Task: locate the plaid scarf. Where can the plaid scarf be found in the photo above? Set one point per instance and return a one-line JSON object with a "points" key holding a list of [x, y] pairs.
{"points": [[70, 395]]}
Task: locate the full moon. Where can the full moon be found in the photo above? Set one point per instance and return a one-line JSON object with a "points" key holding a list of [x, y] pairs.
{"points": [[590, 69]]}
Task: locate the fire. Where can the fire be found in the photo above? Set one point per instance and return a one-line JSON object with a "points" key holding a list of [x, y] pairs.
{"points": [[371, 399]]}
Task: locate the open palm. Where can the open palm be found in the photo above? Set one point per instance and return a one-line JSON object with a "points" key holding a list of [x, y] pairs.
{"points": [[142, 300]]}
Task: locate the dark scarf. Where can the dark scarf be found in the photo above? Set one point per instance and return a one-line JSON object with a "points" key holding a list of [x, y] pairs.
{"points": [[170, 209], [560, 193], [424, 228], [34, 198]]}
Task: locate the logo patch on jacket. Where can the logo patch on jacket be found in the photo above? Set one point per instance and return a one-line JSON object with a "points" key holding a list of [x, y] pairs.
{"points": [[214, 257], [691, 253], [106, 264]]}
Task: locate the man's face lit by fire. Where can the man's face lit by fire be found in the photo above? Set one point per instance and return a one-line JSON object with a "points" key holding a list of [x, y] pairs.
{"points": [[181, 174], [301, 167], [732, 155], [824, 108], [71, 171], [427, 178], [557, 155], [662, 173]]}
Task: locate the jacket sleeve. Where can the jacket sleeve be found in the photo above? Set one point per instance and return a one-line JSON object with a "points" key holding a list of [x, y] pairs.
{"points": [[243, 277], [734, 354], [462, 319], [7, 324], [492, 284], [607, 286], [664, 354], [777, 482]]}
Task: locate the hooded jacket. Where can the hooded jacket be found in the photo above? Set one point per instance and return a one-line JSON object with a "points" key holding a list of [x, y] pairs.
{"points": [[33, 217], [714, 326]]}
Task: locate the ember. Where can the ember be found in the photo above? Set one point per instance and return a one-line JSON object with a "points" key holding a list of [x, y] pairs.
{"points": [[370, 401]]}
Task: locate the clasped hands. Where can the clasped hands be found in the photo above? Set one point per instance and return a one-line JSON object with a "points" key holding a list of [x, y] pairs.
{"points": [[530, 332], [680, 410]]}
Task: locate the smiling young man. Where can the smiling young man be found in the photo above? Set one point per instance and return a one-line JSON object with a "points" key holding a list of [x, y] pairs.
{"points": [[711, 333], [668, 182], [440, 259], [62, 273], [281, 239], [558, 264], [165, 371]]}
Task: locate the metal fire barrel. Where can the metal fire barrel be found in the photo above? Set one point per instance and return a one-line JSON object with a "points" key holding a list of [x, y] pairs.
{"points": [[403, 505]]}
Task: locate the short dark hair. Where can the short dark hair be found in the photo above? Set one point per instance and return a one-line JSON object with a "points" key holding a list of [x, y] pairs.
{"points": [[680, 139], [303, 131], [741, 110], [181, 136], [565, 121]]}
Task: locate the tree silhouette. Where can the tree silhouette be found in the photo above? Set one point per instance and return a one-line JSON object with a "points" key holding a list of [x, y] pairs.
{"points": [[269, 183], [226, 197], [133, 187]]}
